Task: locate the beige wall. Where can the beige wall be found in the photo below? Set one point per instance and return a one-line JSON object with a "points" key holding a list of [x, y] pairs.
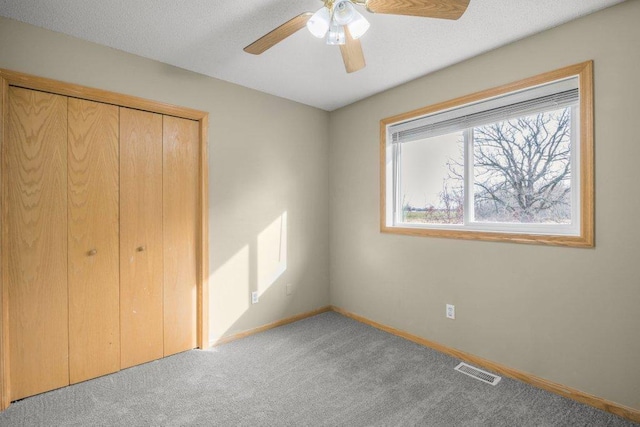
{"points": [[268, 157], [569, 315]]}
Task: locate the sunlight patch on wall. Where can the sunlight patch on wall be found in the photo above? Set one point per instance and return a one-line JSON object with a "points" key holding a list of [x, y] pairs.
{"points": [[272, 253], [232, 291]]}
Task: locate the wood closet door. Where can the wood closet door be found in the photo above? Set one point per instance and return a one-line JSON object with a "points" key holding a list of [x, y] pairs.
{"points": [[180, 227], [94, 287], [37, 237], [141, 318]]}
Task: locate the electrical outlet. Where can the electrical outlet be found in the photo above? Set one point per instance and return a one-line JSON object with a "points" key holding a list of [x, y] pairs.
{"points": [[451, 311], [289, 288], [254, 297]]}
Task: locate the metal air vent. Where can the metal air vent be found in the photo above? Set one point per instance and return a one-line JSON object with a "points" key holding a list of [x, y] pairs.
{"points": [[478, 374]]}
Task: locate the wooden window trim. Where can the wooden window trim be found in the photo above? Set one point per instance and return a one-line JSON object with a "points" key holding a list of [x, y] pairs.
{"points": [[586, 239]]}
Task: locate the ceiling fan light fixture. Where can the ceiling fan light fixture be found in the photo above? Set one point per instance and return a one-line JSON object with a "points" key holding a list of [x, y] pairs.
{"points": [[336, 35], [318, 24], [340, 23], [344, 12], [358, 26]]}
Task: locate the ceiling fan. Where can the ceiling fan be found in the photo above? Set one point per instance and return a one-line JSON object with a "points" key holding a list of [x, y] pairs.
{"points": [[339, 23]]}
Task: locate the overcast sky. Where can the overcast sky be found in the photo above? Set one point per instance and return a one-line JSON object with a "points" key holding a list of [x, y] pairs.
{"points": [[424, 166]]}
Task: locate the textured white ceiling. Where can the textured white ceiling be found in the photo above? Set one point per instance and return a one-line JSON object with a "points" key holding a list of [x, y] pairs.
{"points": [[207, 36]]}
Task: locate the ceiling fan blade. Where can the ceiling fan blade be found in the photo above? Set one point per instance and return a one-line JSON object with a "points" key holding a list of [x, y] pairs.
{"points": [[443, 9], [352, 53], [276, 36]]}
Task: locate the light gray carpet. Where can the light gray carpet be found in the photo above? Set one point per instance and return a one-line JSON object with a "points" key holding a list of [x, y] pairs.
{"points": [[325, 370]]}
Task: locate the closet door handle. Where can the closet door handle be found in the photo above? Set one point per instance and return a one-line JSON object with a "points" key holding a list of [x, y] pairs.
{"points": [[140, 248], [92, 252]]}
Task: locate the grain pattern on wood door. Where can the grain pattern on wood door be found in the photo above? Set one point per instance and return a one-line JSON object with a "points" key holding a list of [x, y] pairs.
{"points": [[37, 234], [94, 275], [180, 226], [141, 319]]}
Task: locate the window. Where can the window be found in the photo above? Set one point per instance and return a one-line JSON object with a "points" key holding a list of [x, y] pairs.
{"points": [[512, 163]]}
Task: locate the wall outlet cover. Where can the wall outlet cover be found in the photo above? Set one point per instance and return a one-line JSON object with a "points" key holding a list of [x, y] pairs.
{"points": [[451, 311], [254, 297]]}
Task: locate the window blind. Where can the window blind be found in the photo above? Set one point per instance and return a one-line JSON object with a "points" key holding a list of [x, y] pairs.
{"points": [[551, 96]]}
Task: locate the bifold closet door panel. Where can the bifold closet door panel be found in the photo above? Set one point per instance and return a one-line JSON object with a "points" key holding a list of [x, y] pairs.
{"points": [[94, 275], [37, 241], [141, 282], [180, 212]]}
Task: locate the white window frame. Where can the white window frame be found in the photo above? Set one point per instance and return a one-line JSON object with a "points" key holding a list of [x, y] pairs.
{"points": [[579, 233]]}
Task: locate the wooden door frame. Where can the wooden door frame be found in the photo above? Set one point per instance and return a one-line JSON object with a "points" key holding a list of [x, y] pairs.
{"points": [[13, 78]]}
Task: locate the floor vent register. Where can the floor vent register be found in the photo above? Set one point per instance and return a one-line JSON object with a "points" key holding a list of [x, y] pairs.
{"points": [[478, 374]]}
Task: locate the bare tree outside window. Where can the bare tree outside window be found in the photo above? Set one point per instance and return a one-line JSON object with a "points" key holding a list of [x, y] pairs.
{"points": [[521, 171]]}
